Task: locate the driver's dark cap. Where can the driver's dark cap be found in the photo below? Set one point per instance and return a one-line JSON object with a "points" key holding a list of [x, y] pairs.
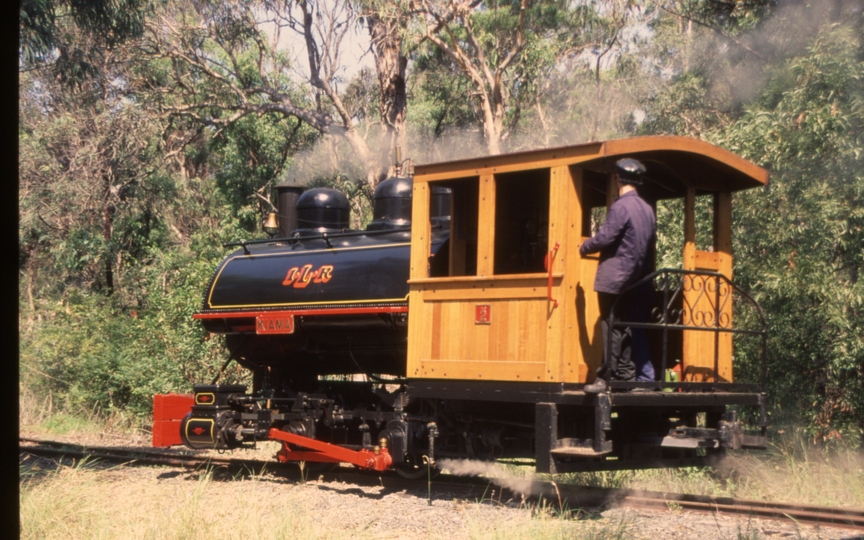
{"points": [[630, 171]]}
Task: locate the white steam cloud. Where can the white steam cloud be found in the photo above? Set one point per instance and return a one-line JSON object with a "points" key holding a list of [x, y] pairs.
{"points": [[526, 487]]}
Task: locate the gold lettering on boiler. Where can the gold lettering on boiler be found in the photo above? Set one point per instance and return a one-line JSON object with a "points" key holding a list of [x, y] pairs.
{"points": [[300, 277]]}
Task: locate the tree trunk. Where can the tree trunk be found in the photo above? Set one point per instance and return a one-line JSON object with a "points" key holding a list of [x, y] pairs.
{"points": [[31, 303], [493, 121], [390, 65], [106, 232], [493, 136]]}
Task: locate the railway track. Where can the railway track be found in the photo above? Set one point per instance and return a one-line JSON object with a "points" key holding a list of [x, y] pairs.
{"points": [[568, 496]]}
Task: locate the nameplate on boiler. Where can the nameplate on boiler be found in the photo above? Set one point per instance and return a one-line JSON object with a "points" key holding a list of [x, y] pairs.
{"points": [[274, 324]]}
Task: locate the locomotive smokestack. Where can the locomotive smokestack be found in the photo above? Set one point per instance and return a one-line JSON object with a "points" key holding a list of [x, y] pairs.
{"points": [[286, 202], [397, 167]]}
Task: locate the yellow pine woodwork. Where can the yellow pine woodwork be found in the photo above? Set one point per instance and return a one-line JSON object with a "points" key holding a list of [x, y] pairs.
{"points": [[527, 337]]}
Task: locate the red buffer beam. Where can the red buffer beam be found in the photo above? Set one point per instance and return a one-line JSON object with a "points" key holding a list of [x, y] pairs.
{"points": [[379, 460]]}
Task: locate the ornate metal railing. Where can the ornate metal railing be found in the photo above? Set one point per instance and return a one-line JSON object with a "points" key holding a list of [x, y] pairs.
{"points": [[702, 301]]}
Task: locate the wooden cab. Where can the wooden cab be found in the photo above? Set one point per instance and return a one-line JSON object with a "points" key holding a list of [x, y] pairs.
{"points": [[508, 297]]}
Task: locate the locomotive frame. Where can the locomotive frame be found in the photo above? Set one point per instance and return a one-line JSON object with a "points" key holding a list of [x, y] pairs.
{"points": [[479, 346]]}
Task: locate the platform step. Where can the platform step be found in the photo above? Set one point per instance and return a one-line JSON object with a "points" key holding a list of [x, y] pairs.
{"points": [[578, 451], [679, 442], [573, 447]]}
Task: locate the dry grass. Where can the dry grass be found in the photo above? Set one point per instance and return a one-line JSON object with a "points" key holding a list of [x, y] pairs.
{"points": [[792, 470], [550, 525], [93, 502], [797, 471], [83, 503]]}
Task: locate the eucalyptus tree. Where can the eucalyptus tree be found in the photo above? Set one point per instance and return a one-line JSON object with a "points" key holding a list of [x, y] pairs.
{"points": [[509, 51], [232, 60], [83, 143], [800, 241], [387, 22], [782, 86], [45, 40]]}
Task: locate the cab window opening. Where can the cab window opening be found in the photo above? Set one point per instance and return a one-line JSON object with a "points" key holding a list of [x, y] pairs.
{"points": [[521, 221], [594, 185], [457, 256]]}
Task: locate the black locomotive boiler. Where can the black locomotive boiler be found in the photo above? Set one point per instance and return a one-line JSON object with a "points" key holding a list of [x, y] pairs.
{"points": [[462, 322]]}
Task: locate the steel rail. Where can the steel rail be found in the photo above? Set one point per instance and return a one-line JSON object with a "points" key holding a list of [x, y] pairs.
{"points": [[568, 496], [847, 518], [61, 450]]}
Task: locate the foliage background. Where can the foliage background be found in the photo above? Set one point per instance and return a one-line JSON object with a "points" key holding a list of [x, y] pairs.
{"points": [[125, 202]]}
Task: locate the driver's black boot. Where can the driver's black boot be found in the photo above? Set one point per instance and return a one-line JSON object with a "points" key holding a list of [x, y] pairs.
{"points": [[599, 385]]}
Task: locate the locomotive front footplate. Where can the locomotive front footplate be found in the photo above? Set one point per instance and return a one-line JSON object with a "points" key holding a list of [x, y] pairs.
{"points": [[565, 429], [225, 417]]}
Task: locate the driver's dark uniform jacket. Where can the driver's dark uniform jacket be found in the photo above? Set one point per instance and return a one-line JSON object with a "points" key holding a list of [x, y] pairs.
{"points": [[624, 242]]}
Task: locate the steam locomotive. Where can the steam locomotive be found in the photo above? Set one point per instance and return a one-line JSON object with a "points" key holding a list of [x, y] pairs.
{"points": [[462, 322]]}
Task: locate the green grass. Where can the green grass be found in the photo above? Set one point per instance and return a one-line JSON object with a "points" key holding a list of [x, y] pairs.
{"points": [[44, 417], [63, 424]]}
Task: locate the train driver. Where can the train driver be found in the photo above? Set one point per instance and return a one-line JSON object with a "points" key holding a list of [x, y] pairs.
{"points": [[625, 242]]}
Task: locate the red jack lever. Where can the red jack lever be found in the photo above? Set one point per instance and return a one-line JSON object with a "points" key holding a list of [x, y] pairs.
{"points": [[378, 460]]}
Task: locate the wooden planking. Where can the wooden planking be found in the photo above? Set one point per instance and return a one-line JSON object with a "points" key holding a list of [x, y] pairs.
{"points": [[536, 291], [486, 226], [723, 232], [570, 333], [699, 346], [421, 232], [420, 335], [510, 338], [572, 367], [471, 281], [723, 248], [418, 340], [560, 206], [583, 348], [623, 147], [497, 370], [690, 229], [611, 191], [706, 260], [513, 335], [590, 333]]}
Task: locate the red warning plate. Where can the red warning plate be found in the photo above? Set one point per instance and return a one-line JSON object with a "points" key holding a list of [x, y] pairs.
{"points": [[274, 324], [483, 314]]}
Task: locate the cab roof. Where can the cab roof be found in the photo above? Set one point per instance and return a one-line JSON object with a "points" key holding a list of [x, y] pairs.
{"points": [[673, 164]]}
